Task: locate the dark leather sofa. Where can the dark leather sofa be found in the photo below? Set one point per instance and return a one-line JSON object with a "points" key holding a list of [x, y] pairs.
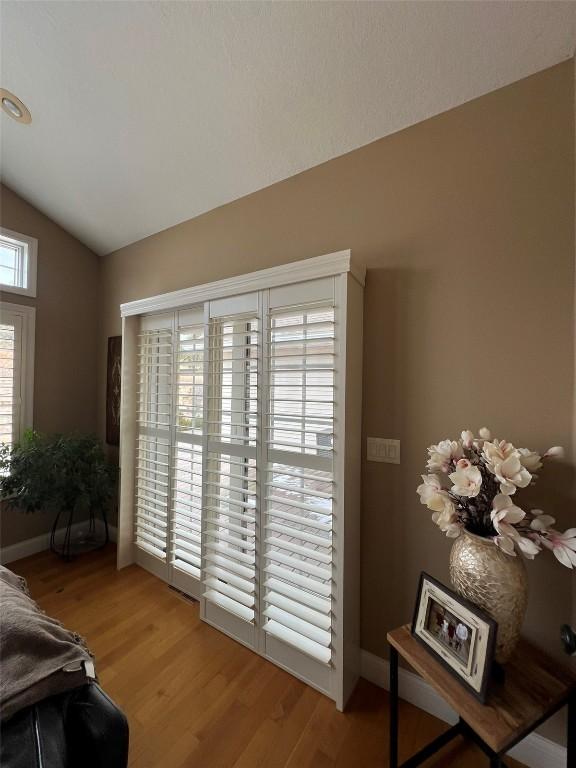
{"points": [[82, 728]]}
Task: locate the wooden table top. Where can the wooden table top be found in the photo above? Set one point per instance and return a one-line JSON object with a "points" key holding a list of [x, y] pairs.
{"points": [[535, 686]]}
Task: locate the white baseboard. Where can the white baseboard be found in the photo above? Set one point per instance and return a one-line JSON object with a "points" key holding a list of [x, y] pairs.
{"points": [[42, 543], [535, 751]]}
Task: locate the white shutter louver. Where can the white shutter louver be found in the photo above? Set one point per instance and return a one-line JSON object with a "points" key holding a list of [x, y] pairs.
{"points": [[298, 525], [16, 370], [153, 444], [9, 387], [230, 501], [230, 534], [186, 524]]}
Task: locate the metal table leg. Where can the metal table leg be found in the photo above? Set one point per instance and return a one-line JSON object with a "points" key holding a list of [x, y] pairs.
{"points": [[427, 751], [571, 731]]}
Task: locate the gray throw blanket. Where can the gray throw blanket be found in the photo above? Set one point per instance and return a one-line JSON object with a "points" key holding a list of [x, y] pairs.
{"points": [[38, 656]]}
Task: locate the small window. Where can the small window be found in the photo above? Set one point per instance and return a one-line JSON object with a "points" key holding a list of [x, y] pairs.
{"points": [[17, 263]]}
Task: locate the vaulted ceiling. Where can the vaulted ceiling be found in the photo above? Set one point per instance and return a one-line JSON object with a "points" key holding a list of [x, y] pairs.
{"points": [[149, 113]]}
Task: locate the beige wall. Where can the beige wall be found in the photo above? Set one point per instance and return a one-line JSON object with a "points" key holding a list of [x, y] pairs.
{"points": [[465, 223], [66, 332]]}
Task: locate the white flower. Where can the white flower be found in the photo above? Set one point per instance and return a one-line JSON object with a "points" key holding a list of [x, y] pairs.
{"points": [[556, 452], [503, 460], [467, 438], [447, 520], [497, 452], [453, 530], [512, 475], [442, 455], [485, 433], [467, 479], [531, 460], [446, 517], [528, 547], [540, 521], [506, 544], [435, 498], [504, 516], [563, 545], [431, 493]]}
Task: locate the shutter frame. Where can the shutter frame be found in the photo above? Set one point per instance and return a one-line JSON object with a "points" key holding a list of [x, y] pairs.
{"points": [[298, 552], [337, 676]]}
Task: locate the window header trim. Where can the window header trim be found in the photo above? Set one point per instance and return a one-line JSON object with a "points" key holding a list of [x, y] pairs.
{"points": [[296, 272]]}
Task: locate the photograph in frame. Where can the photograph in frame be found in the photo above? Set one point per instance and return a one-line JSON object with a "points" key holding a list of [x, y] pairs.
{"points": [[458, 633]]}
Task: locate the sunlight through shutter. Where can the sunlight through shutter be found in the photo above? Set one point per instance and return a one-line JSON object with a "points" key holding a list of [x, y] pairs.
{"points": [[298, 526], [230, 501], [153, 442], [186, 524], [10, 401]]}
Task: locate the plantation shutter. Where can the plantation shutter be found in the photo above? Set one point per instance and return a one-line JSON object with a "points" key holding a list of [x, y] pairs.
{"points": [[241, 458], [230, 505], [186, 519], [298, 557], [153, 450], [10, 377]]}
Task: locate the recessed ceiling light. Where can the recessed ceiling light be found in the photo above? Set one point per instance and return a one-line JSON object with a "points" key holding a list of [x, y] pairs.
{"points": [[14, 107]]}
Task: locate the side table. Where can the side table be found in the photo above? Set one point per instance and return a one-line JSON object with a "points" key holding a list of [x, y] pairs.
{"points": [[534, 688]]}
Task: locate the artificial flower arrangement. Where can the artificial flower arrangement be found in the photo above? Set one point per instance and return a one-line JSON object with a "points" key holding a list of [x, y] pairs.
{"points": [[482, 476]]}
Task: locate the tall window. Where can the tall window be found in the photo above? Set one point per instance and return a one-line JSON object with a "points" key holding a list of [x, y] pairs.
{"points": [[16, 370], [242, 458], [17, 263]]}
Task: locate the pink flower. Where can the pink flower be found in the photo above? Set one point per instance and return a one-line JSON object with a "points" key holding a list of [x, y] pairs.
{"points": [[563, 545], [442, 455], [505, 515], [556, 452]]}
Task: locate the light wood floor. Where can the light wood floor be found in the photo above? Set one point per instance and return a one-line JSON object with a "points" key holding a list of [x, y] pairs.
{"points": [[196, 699]]}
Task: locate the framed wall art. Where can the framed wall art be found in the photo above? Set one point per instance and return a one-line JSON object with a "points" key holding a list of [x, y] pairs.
{"points": [[113, 383]]}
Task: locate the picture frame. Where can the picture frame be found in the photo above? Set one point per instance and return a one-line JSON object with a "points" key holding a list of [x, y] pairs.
{"points": [[113, 387], [459, 634]]}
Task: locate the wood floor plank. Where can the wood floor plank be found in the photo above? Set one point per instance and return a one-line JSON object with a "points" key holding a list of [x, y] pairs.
{"points": [[196, 699]]}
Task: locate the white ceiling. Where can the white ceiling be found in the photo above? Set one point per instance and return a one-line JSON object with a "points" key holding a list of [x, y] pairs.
{"points": [[149, 113]]}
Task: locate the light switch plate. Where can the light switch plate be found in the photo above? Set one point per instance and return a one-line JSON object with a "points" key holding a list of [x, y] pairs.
{"points": [[383, 449]]}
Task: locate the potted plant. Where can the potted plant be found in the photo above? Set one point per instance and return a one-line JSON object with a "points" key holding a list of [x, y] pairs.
{"points": [[471, 490], [68, 475]]}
